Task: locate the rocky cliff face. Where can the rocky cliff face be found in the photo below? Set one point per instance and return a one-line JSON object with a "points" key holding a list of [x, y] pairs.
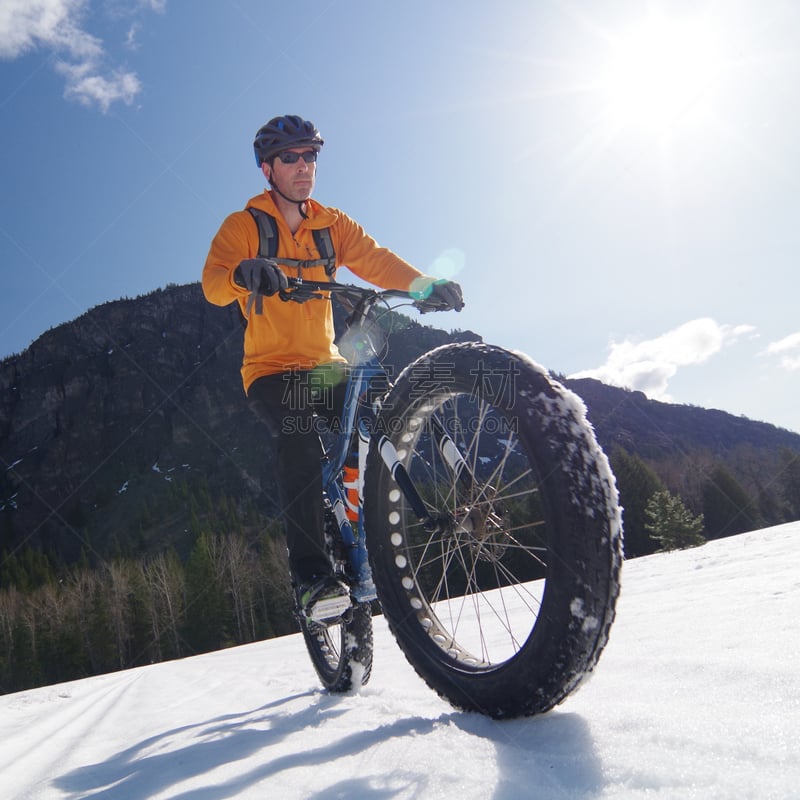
{"points": [[133, 393]]}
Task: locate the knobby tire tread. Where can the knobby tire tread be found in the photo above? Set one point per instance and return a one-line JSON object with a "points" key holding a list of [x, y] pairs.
{"points": [[581, 523]]}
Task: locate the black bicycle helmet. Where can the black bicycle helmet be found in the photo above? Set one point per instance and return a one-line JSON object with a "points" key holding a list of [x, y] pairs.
{"points": [[282, 133]]}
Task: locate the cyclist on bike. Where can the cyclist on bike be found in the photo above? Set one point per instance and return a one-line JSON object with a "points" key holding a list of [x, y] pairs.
{"points": [[292, 371]]}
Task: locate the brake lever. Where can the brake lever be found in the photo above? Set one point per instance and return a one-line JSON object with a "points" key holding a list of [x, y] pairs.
{"points": [[299, 295]]}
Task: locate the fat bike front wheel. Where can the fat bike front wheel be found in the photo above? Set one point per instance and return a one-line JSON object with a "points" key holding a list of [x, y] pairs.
{"points": [[502, 600]]}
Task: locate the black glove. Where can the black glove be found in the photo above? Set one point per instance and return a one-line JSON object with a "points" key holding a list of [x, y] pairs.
{"points": [[260, 276], [436, 294], [447, 295]]}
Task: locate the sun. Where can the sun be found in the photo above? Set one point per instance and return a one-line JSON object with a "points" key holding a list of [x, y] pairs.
{"points": [[661, 72]]}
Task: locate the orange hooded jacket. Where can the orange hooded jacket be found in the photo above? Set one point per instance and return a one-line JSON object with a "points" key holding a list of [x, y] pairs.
{"points": [[294, 335]]}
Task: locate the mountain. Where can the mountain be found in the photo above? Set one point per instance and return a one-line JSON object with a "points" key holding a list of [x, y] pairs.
{"points": [[695, 697], [122, 430], [658, 430], [113, 425]]}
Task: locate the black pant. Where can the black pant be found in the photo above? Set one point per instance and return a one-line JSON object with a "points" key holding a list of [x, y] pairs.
{"points": [[291, 405]]}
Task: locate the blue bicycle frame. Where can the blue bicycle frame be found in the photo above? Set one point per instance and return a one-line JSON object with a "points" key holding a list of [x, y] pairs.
{"points": [[354, 540], [359, 417]]}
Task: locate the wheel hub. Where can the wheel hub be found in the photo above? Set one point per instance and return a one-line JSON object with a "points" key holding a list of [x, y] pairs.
{"points": [[481, 529]]}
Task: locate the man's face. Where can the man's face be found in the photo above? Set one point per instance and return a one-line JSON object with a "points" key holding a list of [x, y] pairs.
{"points": [[295, 180]]}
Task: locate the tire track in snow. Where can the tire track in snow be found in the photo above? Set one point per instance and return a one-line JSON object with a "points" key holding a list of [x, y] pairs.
{"points": [[58, 735]]}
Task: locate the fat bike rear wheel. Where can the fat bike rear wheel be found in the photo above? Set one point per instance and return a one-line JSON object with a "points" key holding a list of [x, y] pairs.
{"points": [[342, 653], [503, 599]]}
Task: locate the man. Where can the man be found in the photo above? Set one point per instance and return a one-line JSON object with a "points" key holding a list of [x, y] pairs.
{"points": [[292, 369]]}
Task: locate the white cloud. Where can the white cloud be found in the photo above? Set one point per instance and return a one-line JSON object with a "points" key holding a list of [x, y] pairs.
{"points": [[56, 25], [130, 39], [27, 24], [86, 86], [649, 365], [788, 349]]}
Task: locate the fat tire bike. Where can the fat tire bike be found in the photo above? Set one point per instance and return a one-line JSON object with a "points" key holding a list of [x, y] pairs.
{"points": [[488, 525]]}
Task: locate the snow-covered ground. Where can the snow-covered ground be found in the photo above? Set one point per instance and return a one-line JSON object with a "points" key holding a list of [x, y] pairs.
{"points": [[696, 696]]}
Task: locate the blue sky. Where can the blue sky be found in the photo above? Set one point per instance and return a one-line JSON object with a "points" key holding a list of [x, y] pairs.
{"points": [[617, 182]]}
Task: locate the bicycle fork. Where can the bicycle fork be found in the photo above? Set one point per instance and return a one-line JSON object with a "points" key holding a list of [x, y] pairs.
{"points": [[437, 520]]}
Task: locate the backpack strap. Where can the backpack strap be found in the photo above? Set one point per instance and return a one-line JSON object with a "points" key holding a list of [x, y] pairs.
{"points": [[267, 232], [268, 244], [322, 239]]}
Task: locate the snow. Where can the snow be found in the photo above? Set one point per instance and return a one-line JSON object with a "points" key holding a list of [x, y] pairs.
{"points": [[696, 696]]}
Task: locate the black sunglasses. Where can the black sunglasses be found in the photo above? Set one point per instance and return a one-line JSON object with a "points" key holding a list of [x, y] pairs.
{"points": [[288, 157]]}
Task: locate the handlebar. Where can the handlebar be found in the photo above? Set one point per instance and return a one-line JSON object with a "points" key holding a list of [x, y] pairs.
{"points": [[362, 299]]}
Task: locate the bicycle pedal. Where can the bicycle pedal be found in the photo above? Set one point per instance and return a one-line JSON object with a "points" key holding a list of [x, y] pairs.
{"points": [[329, 608]]}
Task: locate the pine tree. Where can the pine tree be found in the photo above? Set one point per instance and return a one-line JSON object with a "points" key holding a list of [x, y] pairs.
{"points": [[103, 631], [9, 614], [727, 508], [275, 596], [636, 483], [25, 669], [671, 524], [56, 616], [205, 626], [143, 645], [120, 595], [790, 482]]}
